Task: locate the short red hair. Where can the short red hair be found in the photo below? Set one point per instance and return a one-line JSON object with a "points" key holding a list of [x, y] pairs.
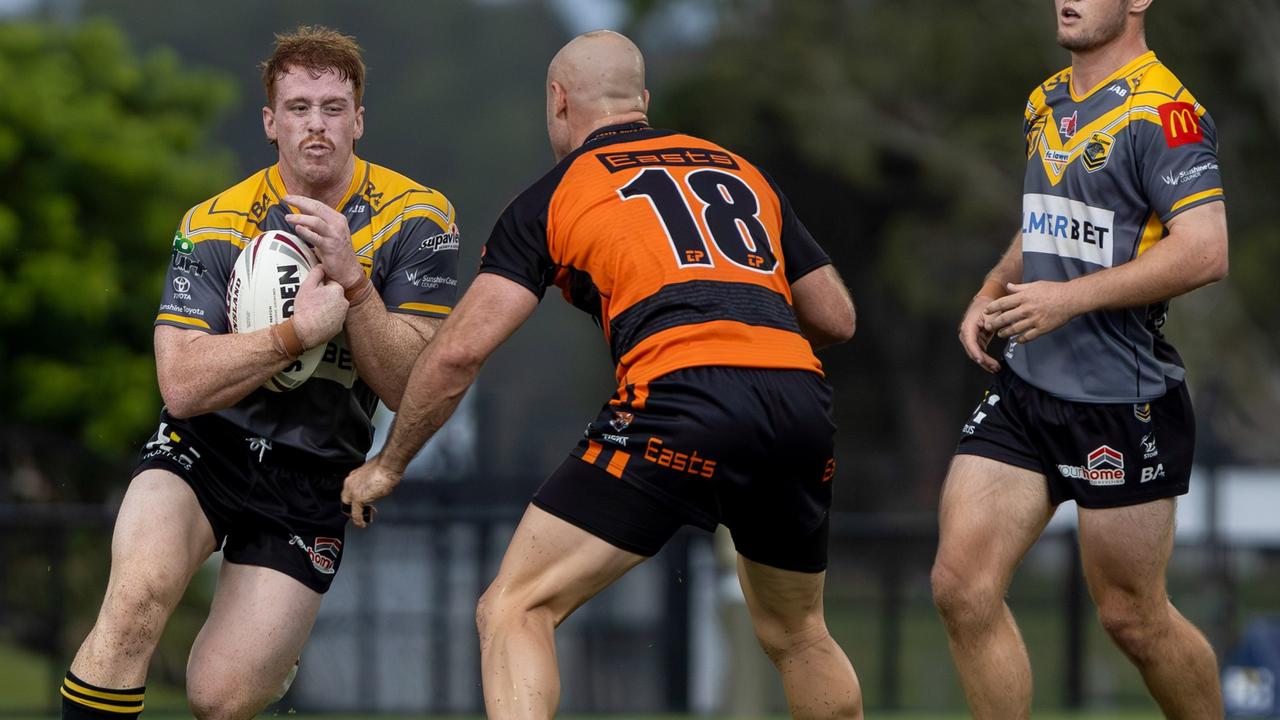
{"points": [[318, 49]]}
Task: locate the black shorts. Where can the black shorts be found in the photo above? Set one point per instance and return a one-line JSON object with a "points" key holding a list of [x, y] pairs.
{"points": [[701, 446], [1098, 454], [269, 505]]}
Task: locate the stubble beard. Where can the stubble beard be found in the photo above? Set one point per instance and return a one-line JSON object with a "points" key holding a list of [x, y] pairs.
{"points": [[1098, 37]]}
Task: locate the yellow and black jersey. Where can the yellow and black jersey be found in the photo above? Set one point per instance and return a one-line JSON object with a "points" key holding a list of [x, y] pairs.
{"points": [[1106, 172], [683, 251], [406, 238]]}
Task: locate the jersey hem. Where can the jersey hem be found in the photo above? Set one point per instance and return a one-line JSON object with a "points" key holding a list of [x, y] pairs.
{"points": [[515, 277], [417, 312], [1219, 197], [1170, 385], [808, 269], [186, 326]]}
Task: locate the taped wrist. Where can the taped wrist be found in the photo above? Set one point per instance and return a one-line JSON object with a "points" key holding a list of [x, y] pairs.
{"points": [[359, 292], [285, 340]]}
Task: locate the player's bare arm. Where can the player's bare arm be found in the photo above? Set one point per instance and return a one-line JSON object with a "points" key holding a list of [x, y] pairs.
{"points": [[490, 311], [384, 345], [1193, 255], [974, 336], [233, 365], [824, 307]]}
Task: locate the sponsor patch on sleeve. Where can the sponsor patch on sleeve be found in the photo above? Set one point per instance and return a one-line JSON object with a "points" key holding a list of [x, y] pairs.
{"points": [[1181, 124]]}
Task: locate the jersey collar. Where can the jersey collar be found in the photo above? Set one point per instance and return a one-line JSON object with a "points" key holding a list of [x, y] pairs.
{"points": [[1143, 59], [358, 174], [609, 131]]}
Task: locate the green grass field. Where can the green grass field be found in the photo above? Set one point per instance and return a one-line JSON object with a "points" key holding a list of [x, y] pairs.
{"points": [[28, 681]]}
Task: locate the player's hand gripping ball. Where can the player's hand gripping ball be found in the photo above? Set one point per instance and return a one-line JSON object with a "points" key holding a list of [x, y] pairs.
{"points": [[263, 287]]}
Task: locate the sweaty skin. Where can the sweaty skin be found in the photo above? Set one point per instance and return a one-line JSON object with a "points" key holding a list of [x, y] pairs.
{"points": [[601, 69], [594, 81]]}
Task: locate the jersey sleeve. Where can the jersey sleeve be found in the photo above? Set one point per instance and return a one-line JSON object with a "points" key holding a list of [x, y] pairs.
{"points": [[1178, 160], [422, 277], [517, 248], [801, 254], [195, 287]]}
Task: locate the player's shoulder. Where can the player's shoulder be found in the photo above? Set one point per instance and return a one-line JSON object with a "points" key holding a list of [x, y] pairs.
{"points": [[396, 197], [1039, 96], [1155, 84], [232, 214]]}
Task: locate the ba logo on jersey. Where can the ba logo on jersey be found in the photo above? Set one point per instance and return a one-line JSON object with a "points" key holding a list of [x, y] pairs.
{"points": [[1098, 151]]}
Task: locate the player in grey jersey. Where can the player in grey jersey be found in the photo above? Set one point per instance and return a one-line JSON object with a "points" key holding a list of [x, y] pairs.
{"points": [[1122, 210], [233, 466]]}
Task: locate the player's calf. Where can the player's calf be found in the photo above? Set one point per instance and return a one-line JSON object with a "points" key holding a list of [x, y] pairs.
{"points": [[106, 678]]}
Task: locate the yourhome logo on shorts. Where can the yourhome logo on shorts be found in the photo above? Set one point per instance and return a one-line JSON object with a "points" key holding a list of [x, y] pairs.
{"points": [[323, 555], [1104, 466]]}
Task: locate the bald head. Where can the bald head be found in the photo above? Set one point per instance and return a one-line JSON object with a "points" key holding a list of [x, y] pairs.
{"points": [[601, 70], [595, 80]]}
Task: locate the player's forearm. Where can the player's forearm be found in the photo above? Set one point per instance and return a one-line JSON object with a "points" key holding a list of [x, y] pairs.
{"points": [[1008, 270], [203, 373], [1174, 266], [384, 348], [437, 384]]}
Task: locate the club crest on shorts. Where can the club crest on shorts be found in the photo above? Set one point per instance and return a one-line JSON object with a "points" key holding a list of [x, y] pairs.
{"points": [[323, 554], [621, 420], [1142, 411]]}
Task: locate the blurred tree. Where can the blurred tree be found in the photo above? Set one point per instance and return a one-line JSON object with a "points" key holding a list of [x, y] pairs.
{"points": [[894, 128], [100, 154]]}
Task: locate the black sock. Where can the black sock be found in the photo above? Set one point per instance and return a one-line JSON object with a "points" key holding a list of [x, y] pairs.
{"points": [[82, 701]]}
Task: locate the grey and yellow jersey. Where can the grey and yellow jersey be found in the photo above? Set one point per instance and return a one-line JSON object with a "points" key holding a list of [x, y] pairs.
{"points": [[406, 239], [1106, 172]]}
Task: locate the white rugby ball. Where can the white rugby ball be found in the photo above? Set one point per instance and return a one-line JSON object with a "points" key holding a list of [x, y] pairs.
{"points": [[264, 284]]}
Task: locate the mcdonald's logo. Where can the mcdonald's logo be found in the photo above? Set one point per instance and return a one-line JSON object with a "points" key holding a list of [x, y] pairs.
{"points": [[1181, 124]]}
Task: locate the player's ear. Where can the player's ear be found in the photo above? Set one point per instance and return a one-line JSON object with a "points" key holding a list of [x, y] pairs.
{"points": [[269, 123], [1139, 6], [559, 100], [359, 129], [645, 97]]}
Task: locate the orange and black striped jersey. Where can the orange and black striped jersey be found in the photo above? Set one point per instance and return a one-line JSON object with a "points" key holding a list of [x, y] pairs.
{"points": [[404, 235], [683, 251]]}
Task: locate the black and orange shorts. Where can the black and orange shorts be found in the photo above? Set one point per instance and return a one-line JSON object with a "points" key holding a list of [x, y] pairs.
{"points": [[749, 448]]}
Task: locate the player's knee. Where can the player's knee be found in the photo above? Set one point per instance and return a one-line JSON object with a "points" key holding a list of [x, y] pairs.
{"points": [[135, 614], [498, 612], [1136, 630], [962, 599], [212, 698], [484, 613], [782, 640]]}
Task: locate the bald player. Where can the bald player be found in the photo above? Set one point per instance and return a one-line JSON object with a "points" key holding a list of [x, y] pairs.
{"points": [[1123, 210], [712, 296]]}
